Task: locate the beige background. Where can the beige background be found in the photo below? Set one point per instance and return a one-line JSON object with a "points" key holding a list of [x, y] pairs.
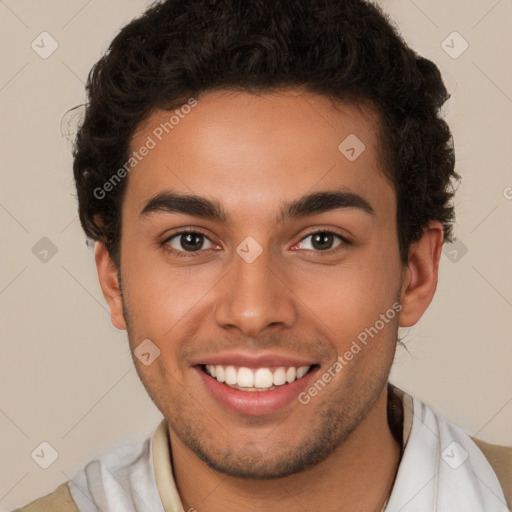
{"points": [[66, 373]]}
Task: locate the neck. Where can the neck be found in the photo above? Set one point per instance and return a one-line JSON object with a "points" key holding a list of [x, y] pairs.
{"points": [[356, 477]]}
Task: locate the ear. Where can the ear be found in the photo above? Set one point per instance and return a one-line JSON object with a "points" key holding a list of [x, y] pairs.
{"points": [[419, 276], [109, 282]]}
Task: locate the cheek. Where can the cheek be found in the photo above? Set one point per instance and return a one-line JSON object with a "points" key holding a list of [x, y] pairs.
{"points": [[352, 295], [159, 297]]}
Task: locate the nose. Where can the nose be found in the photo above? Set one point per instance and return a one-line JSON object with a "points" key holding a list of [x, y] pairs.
{"points": [[254, 297]]}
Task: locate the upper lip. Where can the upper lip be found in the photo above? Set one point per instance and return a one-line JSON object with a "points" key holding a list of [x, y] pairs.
{"points": [[252, 361]]}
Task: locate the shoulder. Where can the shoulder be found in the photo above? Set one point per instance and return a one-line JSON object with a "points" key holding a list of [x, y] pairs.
{"points": [[467, 471], [59, 500], [121, 474], [500, 458]]}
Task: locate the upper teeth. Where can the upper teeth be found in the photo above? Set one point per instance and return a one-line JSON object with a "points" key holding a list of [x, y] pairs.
{"points": [[256, 378]]}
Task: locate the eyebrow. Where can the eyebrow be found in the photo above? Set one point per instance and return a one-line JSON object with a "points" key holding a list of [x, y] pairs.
{"points": [[311, 204]]}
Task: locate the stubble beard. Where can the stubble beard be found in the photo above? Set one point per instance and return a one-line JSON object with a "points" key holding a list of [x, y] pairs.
{"points": [[332, 425]]}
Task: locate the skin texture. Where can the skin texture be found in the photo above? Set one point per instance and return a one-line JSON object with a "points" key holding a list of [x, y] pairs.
{"points": [[253, 154]]}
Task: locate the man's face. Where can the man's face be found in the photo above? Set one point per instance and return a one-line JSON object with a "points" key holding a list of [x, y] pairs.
{"points": [[257, 286]]}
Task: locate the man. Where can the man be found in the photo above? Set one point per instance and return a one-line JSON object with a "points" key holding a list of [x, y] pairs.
{"points": [[269, 184]]}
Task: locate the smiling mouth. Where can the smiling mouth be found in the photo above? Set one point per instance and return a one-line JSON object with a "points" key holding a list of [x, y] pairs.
{"points": [[256, 379]]}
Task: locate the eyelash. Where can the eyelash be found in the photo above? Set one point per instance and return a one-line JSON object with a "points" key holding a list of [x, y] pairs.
{"points": [[195, 254]]}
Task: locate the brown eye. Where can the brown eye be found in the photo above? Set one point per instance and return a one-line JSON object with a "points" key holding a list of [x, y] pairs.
{"points": [[321, 241], [188, 242], [191, 241]]}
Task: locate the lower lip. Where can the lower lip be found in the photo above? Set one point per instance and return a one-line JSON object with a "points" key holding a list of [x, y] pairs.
{"points": [[255, 403]]}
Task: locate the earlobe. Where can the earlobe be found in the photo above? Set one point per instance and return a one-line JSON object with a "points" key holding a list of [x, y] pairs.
{"points": [[109, 282], [419, 278]]}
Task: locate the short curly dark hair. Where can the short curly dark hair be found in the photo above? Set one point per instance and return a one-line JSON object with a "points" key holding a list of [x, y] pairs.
{"points": [[344, 49]]}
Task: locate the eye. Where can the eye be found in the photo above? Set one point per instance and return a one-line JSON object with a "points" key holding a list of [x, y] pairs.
{"points": [[191, 243], [188, 241], [321, 241]]}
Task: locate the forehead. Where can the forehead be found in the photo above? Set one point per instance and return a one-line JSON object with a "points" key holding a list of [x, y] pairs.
{"points": [[254, 151]]}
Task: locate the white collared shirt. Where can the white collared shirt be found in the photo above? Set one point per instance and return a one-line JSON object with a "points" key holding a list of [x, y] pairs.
{"points": [[441, 470]]}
